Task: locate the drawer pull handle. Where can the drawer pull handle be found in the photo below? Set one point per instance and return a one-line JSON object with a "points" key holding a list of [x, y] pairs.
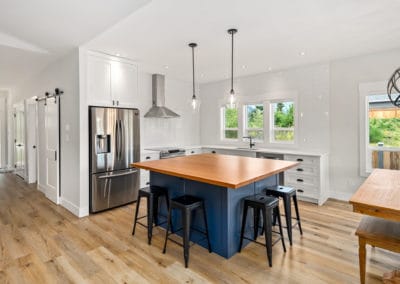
{"points": [[299, 170], [213, 152], [192, 152], [299, 160], [148, 158], [147, 183], [300, 190], [300, 180]]}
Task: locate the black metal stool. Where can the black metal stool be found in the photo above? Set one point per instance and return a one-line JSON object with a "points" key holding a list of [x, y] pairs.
{"points": [[152, 194], [287, 193], [186, 204], [267, 205]]}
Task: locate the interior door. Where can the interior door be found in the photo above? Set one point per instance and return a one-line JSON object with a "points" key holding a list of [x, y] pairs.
{"points": [[48, 153], [19, 141]]}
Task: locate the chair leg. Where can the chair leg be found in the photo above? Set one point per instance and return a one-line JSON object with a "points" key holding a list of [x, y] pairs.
{"points": [[288, 216], [245, 207], [155, 210], [296, 207], [186, 235], [362, 256], [149, 218], [276, 209], [136, 215], [267, 217], [206, 224], [256, 222], [168, 228]]}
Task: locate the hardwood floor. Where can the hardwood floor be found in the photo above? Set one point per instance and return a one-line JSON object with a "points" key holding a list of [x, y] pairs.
{"points": [[41, 242]]}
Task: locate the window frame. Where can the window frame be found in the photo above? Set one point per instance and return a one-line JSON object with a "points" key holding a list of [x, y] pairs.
{"points": [[223, 128], [366, 90], [271, 122], [245, 121]]}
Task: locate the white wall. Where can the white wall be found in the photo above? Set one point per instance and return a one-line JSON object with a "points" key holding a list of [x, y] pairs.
{"points": [[62, 74], [310, 85], [346, 75]]}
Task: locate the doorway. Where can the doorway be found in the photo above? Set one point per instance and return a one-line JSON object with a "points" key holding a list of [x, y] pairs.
{"points": [[19, 140]]}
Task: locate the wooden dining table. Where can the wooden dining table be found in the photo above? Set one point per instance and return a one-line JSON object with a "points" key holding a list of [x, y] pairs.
{"points": [[378, 196]]}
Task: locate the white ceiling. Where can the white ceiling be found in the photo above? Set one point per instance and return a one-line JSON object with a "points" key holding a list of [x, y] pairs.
{"points": [[34, 33], [271, 34]]}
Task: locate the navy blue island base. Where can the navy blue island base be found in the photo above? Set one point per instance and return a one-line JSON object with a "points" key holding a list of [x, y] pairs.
{"points": [[224, 208]]}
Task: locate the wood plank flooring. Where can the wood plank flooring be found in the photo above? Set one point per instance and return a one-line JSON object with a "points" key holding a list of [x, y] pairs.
{"points": [[41, 242]]}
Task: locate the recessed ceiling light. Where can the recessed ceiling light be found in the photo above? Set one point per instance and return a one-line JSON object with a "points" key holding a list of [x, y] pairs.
{"points": [[166, 66], [302, 53], [202, 75], [117, 54], [269, 68], [244, 66]]}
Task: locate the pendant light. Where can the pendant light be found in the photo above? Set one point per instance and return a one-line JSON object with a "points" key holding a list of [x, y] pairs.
{"points": [[393, 88], [232, 98], [195, 103]]}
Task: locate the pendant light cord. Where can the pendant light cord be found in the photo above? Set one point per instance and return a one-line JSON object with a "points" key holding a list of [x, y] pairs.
{"points": [[232, 65], [194, 94]]}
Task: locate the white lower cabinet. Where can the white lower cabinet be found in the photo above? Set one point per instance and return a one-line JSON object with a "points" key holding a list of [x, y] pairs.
{"points": [[309, 178], [144, 174]]}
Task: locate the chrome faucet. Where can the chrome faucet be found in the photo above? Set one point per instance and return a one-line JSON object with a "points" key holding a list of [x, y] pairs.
{"points": [[252, 144]]}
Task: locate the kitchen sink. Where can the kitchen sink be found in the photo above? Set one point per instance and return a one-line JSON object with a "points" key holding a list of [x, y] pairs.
{"points": [[246, 148]]}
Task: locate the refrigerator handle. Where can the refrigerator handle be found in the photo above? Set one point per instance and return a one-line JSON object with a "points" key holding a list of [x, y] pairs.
{"points": [[118, 175], [116, 140], [120, 139]]}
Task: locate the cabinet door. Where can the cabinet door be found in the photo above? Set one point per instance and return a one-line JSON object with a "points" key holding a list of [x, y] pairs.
{"points": [[124, 83], [98, 81]]}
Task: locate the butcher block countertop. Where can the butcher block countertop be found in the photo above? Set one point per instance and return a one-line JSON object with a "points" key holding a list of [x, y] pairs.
{"points": [[222, 170]]}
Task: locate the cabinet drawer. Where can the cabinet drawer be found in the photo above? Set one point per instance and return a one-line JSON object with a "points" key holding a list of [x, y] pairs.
{"points": [[304, 169], [144, 178], [304, 160], [193, 151], [303, 190], [298, 179], [149, 156]]}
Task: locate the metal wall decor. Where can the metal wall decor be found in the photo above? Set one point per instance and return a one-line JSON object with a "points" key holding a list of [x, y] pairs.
{"points": [[232, 99], [393, 90], [195, 102]]}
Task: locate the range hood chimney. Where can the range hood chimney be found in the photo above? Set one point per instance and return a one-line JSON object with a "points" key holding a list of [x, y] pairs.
{"points": [[159, 110]]}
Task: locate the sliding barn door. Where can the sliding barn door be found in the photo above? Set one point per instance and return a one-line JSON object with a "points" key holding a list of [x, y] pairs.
{"points": [[48, 149]]}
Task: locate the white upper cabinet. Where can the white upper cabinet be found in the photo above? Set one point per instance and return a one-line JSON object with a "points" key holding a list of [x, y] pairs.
{"points": [[110, 81]]}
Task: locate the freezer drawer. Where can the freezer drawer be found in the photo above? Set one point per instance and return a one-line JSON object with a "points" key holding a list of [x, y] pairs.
{"points": [[112, 189]]}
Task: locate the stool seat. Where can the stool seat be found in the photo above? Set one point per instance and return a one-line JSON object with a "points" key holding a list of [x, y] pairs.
{"points": [[152, 193], [287, 194], [186, 204], [280, 190], [187, 201], [262, 200]]}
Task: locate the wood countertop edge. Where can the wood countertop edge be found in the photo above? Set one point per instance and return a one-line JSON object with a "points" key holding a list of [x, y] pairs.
{"points": [[359, 205], [214, 182]]}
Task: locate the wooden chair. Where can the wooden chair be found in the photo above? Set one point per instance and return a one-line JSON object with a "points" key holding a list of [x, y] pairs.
{"points": [[376, 232]]}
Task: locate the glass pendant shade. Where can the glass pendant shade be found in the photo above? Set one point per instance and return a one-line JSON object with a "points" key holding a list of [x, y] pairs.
{"points": [[194, 102]]}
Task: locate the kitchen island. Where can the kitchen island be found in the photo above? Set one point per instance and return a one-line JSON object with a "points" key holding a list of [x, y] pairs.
{"points": [[222, 181]]}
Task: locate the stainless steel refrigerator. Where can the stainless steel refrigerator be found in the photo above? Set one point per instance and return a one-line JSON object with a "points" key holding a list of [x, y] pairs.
{"points": [[114, 135]]}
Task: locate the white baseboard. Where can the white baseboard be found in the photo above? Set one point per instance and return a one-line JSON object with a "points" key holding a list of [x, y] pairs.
{"points": [[344, 196], [76, 210]]}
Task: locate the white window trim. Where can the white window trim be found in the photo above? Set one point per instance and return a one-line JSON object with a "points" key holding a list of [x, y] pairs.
{"points": [[245, 129], [222, 126], [365, 90], [270, 122]]}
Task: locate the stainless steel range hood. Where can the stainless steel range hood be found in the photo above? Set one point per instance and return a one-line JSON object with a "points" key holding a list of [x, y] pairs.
{"points": [[159, 110]]}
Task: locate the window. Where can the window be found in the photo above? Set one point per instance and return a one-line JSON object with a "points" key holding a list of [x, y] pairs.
{"points": [[254, 121], [383, 137], [230, 127], [282, 122]]}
